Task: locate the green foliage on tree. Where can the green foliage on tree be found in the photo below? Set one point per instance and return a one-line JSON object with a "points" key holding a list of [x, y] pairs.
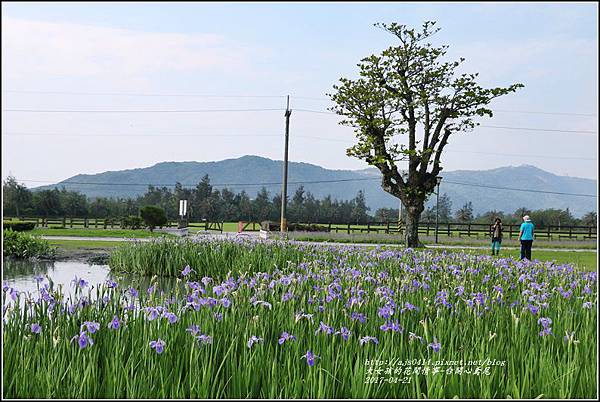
{"points": [[408, 90], [590, 219], [465, 214], [16, 196], [153, 216]]}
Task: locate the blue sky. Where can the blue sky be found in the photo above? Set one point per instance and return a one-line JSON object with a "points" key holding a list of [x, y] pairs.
{"points": [[299, 49]]}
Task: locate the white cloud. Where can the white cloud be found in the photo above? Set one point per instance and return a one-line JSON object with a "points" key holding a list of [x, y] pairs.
{"points": [[37, 47]]}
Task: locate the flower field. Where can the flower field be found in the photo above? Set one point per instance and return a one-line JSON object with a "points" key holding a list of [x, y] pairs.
{"points": [[274, 320]]}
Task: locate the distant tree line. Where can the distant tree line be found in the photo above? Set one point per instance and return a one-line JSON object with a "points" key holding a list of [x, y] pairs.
{"points": [[541, 217], [206, 202]]}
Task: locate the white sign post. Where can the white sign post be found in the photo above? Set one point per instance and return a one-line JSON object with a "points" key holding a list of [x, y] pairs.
{"points": [[182, 213]]}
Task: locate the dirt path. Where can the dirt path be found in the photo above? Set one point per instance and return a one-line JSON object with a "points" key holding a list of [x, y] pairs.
{"points": [[235, 235]]}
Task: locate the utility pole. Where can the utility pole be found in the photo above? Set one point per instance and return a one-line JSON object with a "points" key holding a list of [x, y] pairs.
{"points": [[288, 112]]}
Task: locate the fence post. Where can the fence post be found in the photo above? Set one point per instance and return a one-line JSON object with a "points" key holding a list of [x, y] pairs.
{"points": [[348, 228], [96, 223], [469, 230], [570, 231], [510, 231], [329, 227]]}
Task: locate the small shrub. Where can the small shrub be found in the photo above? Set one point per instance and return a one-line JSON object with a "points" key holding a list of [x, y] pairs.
{"points": [[18, 226], [23, 245], [132, 222], [153, 216]]}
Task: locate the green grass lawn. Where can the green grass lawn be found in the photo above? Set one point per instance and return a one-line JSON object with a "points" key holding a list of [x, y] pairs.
{"points": [[97, 232], [84, 244], [582, 259]]}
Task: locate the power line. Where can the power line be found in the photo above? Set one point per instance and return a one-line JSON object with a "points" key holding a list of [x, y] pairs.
{"points": [[142, 94], [486, 126], [519, 189], [310, 182], [138, 110], [133, 94], [493, 110], [18, 134], [540, 129]]}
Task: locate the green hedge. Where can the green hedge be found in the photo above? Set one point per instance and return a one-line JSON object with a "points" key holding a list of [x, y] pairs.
{"points": [[23, 245], [18, 226]]}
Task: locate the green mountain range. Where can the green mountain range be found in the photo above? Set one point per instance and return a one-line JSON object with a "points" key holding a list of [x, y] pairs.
{"points": [[250, 173]]}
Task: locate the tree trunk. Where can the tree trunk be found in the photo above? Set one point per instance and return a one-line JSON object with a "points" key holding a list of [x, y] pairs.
{"points": [[413, 213]]}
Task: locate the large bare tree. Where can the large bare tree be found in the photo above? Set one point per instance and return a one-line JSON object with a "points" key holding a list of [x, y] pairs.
{"points": [[408, 90]]}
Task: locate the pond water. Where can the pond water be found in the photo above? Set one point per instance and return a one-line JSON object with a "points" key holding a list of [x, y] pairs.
{"points": [[20, 275]]}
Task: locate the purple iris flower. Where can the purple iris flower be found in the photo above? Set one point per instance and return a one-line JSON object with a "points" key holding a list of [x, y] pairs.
{"points": [[218, 316], [152, 313], [253, 339], [39, 278], [385, 311], [310, 358], [358, 317], [13, 294], [393, 326], [157, 345], [587, 304], [115, 323], [83, 340], [534, 309], [435, 345], [171, 317], [367, 339], [225, 302], [286, 337], [204, 339], [91, 326], [344, 333], [326, 329], [79, 282], [36, 328], [408, 307], [193, 329], [111, 284], [187, 270], [545, 322], [133, 292]]}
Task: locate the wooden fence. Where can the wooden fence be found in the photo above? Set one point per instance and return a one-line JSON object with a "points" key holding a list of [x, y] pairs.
{"points": [[450, 229]]}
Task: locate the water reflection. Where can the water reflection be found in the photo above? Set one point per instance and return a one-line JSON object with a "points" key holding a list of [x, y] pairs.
{"points": [[20, 275]]}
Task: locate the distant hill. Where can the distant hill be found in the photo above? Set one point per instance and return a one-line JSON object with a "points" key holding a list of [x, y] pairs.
{"points": [[241, 173]]}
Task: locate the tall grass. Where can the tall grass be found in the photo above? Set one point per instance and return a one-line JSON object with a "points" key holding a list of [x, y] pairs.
{"points": [[488, 311], [167, 257]]}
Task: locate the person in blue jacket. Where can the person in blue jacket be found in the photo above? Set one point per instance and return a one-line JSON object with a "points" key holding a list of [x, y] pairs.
{"points": [[526, 237]]}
